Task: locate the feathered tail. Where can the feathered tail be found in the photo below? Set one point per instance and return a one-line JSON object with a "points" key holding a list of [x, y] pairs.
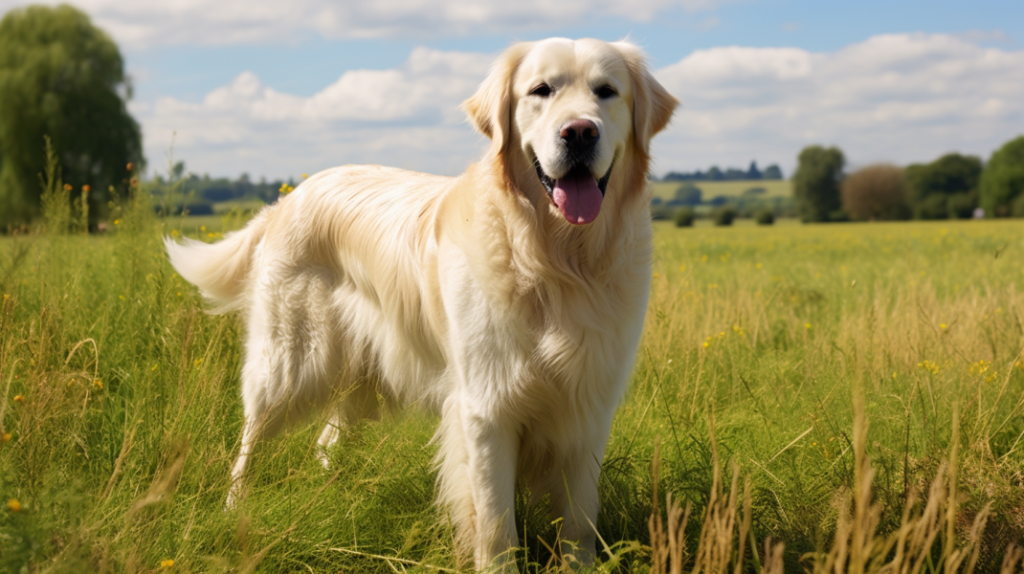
{"points": [[218, 269]]}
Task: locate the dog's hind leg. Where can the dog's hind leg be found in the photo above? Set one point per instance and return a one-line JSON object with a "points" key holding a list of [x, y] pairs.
{"points": [[357, 402], [289, 364], [329, 436]]}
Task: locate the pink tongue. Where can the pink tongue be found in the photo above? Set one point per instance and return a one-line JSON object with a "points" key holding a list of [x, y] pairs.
{"points": [[579, 200]]}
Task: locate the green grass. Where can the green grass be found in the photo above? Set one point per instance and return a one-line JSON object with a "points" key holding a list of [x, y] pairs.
{"points": [[767, 331], [711, 189]]}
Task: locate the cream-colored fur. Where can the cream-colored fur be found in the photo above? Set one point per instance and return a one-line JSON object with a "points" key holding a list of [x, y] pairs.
{"points": [[472, 296]]}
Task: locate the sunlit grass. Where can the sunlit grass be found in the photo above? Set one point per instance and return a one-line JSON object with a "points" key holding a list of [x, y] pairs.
{"points": [[117, 449]]}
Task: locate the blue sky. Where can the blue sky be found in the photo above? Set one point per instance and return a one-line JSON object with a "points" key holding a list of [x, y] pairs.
{"points": [[279, 89], [304, 63]]}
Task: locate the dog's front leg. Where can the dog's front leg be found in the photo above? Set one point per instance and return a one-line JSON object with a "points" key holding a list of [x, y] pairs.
{"points": [[575, 498], [492, 451], [477, 476], [576, 501]]}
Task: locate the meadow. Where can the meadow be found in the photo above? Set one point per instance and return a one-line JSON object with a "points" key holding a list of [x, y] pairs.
{"points": [[854, 391], [732, 189]]}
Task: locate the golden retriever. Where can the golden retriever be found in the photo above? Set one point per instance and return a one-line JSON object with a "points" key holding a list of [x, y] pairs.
{"points": [[509, 299]]}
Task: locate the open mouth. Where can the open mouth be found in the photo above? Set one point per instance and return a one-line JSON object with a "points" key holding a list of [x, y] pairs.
{"points": [[577, 194]]}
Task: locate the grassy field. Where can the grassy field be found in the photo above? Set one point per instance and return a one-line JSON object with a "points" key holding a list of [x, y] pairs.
{"points": [[772, 188], [120, 415]]}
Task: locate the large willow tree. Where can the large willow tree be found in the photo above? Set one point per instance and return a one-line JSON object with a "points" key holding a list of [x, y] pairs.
{"points": [[61, 77]]}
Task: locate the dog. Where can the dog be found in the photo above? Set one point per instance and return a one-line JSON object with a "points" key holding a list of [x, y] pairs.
{"points": [[509, 299]]}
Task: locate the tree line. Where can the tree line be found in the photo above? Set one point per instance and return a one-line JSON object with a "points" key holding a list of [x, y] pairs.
{"points": [[772, 172], [62, 80], [953, 186]]}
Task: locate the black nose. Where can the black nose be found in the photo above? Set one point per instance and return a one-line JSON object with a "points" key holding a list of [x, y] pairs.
{"points": [[579, 136]]}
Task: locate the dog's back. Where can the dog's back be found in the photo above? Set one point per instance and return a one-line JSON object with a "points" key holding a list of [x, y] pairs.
{"points": [[334, 272]]}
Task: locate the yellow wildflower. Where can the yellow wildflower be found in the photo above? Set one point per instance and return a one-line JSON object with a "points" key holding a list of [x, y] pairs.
{"points": [[98, 384], [130, 166], [197, 362], [19, 399], [86, 188], [979, 368], [14, 505], [166, 563], [807, 326], [7, 437]]}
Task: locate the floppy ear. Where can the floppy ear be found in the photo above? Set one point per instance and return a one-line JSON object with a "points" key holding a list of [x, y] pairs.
{"points": [[652, 104], [490, 108]]}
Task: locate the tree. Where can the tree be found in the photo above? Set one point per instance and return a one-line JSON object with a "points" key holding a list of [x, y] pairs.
{"points": [[688, 194], [64, 78], [876, 192], [1003, 179], [951, 173], [753, 172], [816, 183], [933, 184], [772, 172]]}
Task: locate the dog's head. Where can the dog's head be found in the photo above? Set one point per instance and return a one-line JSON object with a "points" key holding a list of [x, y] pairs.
{"points": [[563, 115]]}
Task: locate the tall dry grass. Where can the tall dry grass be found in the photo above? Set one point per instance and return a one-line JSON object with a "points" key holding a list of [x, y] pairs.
{"points": [[924, 540], [119, 448]]}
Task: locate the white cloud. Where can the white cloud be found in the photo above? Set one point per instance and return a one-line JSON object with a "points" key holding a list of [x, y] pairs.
{"points": [[408, 117], [144, 23], [899, 98]]}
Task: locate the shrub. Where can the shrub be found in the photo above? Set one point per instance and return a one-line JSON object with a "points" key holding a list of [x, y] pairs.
{"points": [[1003, 179], [838, 216], [765, 217], [724, 215], [950, 174], [876, 192], [961, 205], [1017, 207], [659, 211], [195, 208], [934, 206], [683, 217]]}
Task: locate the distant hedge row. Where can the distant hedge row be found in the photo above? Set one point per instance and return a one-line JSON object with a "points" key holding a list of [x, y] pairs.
{"points": [[953, 186]]}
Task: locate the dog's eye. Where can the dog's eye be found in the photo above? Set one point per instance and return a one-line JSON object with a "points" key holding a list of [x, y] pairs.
{"points": [[605, 92], [543, 90]]}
